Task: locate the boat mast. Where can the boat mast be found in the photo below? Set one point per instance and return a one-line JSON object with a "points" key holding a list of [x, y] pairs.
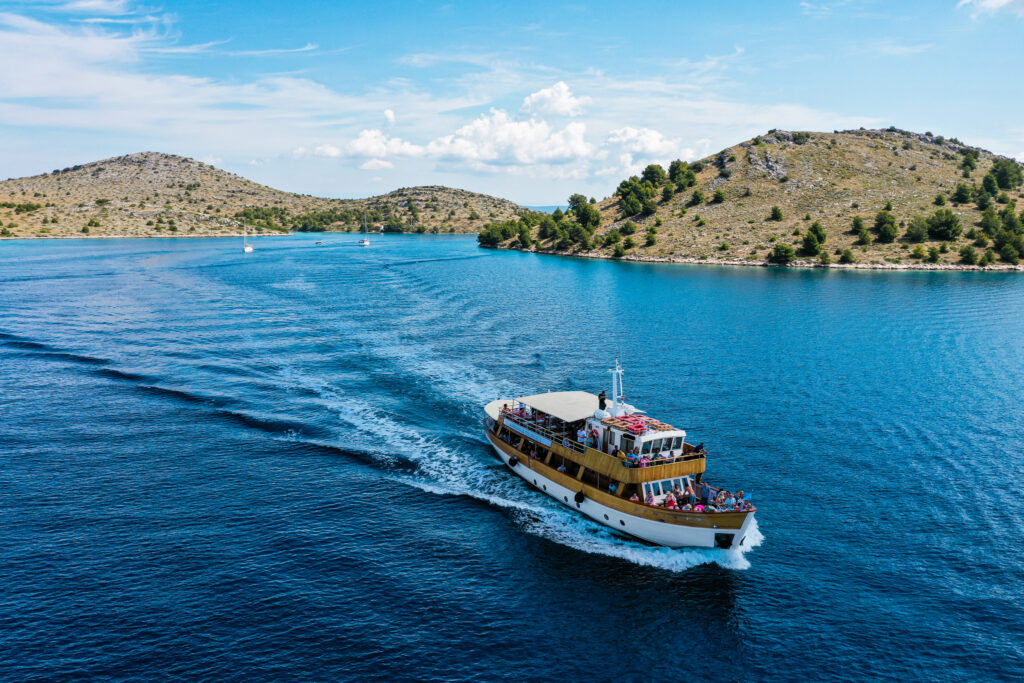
{"points": [[616, 387]]}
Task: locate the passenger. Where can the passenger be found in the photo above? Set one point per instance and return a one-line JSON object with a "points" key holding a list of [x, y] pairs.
{"points": [[729, 500], [700, 448], [561, 468], [602, 400], [581, 435], [670, 501], [644, 461], [690, 495], [650, 498], [687, 508], [705, 493], [634, 498]]}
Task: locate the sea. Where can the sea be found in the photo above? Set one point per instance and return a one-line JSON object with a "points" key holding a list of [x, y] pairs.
{"points": [[271, 466]]}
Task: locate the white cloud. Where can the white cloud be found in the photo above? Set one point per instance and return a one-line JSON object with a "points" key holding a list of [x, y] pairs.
{"points": [[557, 100], [990, 6], [96, 6], [497, 138], [376, 165], [389, 116], [374, 143], [645, 141]]}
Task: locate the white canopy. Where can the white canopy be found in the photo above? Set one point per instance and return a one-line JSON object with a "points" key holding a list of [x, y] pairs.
{"points": [[567, 406]]}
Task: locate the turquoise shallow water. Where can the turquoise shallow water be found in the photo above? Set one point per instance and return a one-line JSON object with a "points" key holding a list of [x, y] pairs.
{"points": [[271, 466]]}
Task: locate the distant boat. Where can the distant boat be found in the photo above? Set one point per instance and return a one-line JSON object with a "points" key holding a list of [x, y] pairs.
{"points": [[319, 241], [246, 247], [365, 242]]}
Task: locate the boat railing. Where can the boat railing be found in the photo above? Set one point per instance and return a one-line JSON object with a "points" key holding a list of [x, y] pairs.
{"points": [[555, 436]]}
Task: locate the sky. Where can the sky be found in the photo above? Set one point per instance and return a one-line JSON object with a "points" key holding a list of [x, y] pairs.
{"points": [[531, 101]]}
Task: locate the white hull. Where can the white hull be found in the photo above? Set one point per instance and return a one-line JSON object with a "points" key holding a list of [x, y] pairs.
{"points": [[660, 533]]}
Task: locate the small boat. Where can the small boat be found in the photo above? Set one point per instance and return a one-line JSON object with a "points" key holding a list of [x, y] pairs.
{"points": [[319, 241], [365, 242], [246, 247], [617, 466]]}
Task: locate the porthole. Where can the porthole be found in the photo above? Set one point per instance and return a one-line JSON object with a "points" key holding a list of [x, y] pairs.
{"points": [[545, 487], [606, 517], [622, 522], [534, 482], [565, 498]]}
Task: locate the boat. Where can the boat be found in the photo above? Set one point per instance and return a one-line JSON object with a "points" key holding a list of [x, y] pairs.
{"points": [[246, 247], [617, 466], [365, 242]]}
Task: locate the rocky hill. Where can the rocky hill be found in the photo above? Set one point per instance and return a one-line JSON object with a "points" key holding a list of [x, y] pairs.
{"points": [[151, 194], [877, 197]]}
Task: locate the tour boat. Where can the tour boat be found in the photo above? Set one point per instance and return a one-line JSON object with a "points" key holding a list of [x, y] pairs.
{"points": [[570, 445]]}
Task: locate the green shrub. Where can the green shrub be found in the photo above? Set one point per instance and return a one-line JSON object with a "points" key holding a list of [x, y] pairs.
{"points": [[658, 222], [918, 252], [847, 256], [613, 237], [655, 175], [940, 200], [990, 184], [1007, 173], [628, 228], [719, 197], [697, 198], [824, 258], [917, 229], [651, 240], [724, 246], [933, 255], [968, 256], [885, 226], [618, 252], [781, 254], [818, 232], [810, 246], [668, 192], [987, 259], [962, 194], [85, 229], [1009, 254], [981, 240], [943, 224], [629, 243], [776, 214], [888, 205]]}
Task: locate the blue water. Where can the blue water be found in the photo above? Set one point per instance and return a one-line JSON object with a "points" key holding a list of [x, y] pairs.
{"points": [[270, 466]]}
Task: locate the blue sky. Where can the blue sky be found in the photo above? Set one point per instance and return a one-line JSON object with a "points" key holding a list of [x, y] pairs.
{"points": [[529, 100]]}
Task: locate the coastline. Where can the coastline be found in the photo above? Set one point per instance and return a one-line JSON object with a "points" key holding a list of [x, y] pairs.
{"points": [[692, 261]]}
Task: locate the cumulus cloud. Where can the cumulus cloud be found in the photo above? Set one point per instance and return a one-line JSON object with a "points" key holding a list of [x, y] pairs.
{"points": [[498, 138], [375, 143], [557, 100], [376, 165], [389, 116]]}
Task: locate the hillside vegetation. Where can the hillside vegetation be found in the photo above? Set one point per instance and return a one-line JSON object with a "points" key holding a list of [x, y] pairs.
{"points": [[874, 197], [151, 194]]}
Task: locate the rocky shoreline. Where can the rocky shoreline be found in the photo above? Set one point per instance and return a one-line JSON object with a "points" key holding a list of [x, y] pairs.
{"points": [[686, 260]]}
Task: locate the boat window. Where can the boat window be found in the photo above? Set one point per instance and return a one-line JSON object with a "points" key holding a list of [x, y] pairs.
{"points": [[677, 443], [656, 445], [647, 447]]}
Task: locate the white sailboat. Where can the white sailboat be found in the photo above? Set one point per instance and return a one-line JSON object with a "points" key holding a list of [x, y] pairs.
{"points": [[365, 242], [246, 247]]}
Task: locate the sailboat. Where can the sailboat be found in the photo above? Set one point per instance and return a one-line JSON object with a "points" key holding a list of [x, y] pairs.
{"points": [[246, 247], [365, 242]]}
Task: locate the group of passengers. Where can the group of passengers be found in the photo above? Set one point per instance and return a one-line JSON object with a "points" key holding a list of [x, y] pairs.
{"points": [[635, 458], [708, 500]]}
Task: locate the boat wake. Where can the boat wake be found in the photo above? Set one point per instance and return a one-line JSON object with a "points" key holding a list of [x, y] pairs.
{"points": [[433, 465]]}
